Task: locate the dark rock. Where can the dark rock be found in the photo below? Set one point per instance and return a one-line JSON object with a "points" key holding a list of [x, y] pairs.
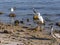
{"points": [[1, 13], [8, 25], [24, 27], [16, 22], [0, 27], [27, 20], [0, 41], [5, 31], [20, 30], [29, 24], [17, 44], [13, 38], [12, 15], [22, 22], [58, 23]]}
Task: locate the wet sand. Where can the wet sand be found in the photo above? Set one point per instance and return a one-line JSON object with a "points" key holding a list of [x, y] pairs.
{"points": [[22, 35]]}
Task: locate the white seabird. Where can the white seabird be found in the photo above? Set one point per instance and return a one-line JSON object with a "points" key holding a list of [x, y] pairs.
{"points": [[39, 16]]}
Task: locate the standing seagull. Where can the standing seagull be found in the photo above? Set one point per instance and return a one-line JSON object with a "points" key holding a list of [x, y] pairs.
{"points": [[39, 19], [12, 14], [56, 35], [39, 16]]}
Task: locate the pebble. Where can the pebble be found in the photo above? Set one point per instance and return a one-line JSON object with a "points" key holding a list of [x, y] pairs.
{"points": [[27, 20], [5, 31], [58, 23], [1, 13], [22, 22]]}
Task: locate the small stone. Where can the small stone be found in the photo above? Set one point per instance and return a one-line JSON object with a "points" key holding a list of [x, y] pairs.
{"points": [[1, 13], [13, 38], [29, 24], [58, 23], [22, 22], [20, 30], [27, 20], [16, 22], [17, 44], [24, 27], [8, 25], [0, 27], [5, 31], [0, 41]]}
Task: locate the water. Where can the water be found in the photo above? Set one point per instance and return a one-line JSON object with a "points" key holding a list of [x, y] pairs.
{"points": [[49, 9]]}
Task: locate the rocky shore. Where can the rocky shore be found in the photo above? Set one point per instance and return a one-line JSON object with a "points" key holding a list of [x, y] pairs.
{"points": [[22, 35]]}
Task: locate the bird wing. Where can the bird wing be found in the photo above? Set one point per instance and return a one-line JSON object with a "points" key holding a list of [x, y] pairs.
{"points": [[41, 19]]}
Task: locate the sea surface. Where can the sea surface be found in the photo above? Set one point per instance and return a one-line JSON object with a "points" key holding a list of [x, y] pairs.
{"points": [[49, 9]]}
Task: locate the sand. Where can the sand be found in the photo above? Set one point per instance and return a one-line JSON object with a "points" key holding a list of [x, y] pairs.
{"points": [[20, 35]]}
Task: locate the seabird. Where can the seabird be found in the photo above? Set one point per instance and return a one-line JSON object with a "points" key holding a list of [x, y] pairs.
{"points": [[56, 35], [39, 16]]}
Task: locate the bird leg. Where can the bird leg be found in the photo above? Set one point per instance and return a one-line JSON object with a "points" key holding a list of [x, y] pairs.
{"points": [[41, 27]]}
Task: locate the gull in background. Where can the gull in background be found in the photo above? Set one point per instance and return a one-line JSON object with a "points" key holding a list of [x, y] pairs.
{"points": [[56, 35]]}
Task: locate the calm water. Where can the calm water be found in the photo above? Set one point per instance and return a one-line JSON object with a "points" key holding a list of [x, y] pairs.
{"points": [[49, 9]]}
